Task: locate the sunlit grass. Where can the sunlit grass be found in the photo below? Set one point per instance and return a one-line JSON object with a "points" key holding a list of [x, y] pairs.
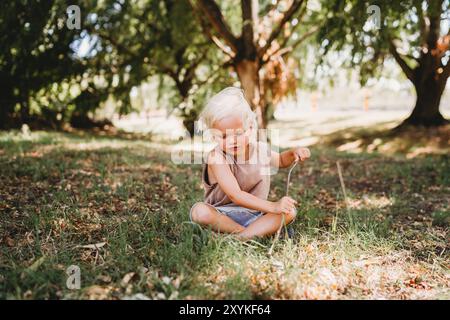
{"points": [[118, 208]]}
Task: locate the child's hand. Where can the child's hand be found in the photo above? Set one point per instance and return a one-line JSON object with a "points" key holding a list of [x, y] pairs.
{"points": [[284, 205], [301, 154]]}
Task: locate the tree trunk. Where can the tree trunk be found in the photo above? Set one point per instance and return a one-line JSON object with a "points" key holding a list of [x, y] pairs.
{"points": [[189, 116], [5, 115], [248, 73], [426, 111], [25, 107], [245, 52], [7, 119]]}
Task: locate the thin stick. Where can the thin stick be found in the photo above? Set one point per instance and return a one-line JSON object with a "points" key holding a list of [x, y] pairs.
{"points": [[342, 183], [344, 191], [277, 236], [289, 177]]}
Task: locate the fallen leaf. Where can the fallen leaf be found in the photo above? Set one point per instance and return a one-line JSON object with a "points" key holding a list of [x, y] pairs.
{"points": [[126, 279], [95, 246]]}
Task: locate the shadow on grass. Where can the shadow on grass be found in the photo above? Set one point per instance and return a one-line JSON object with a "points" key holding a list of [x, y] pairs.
{"points": [[132, 199], [383, 138]]}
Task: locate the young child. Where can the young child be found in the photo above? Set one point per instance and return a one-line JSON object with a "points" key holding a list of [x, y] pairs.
{"points": [[236, 175]]}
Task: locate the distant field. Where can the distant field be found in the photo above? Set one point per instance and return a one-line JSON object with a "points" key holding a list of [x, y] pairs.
{"points": [[297, 119]]}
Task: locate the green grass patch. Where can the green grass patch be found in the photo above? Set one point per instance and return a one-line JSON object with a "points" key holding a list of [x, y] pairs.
{"points": [[118, 208]]}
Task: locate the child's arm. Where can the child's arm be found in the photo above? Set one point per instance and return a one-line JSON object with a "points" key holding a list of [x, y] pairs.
{"points": [[230, 186], [286, 158]]}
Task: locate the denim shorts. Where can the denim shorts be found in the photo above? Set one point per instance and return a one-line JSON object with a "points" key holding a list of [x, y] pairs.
{"points": [[240, 215]]}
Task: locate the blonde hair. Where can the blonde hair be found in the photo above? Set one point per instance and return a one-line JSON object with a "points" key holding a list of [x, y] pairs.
{"points": [[229, 101]]}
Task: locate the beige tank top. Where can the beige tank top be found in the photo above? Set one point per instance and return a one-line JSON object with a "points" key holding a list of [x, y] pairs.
{"points": [[252, 176]]}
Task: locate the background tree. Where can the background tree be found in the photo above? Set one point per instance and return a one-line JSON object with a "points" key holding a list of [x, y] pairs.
{"points": [[258, 54], [35, 54], [136, 41], [59, 75], [412, 32]]}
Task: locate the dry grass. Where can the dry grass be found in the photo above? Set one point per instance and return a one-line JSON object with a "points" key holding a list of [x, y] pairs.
{"points": [[118, 208]]}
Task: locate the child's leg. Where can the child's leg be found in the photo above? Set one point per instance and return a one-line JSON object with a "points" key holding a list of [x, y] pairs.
{"points": [[208, 216], [267, 224]]}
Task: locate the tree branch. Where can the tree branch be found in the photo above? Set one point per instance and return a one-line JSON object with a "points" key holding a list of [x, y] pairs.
{"points": [[111, 40], [190, 70], [429, 60], [167, 70], [249, 16], [206, 29], [282, 50], [222, 47], [305, 36], [215, 17], [299, 18], [435, 8], [407, 70], [296, 4]]}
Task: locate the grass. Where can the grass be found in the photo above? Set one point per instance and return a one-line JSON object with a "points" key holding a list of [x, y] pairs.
{"points": [[62, 193]]}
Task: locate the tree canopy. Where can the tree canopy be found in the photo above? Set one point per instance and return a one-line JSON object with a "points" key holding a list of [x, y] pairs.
{"points": [[57, 74], [416, 33]]}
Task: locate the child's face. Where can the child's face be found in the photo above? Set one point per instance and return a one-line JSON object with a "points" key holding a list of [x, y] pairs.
{"points": [[231, 135]]}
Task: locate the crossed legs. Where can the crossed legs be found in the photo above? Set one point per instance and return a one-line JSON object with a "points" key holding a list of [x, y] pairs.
{"points": [[268, 224]]}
